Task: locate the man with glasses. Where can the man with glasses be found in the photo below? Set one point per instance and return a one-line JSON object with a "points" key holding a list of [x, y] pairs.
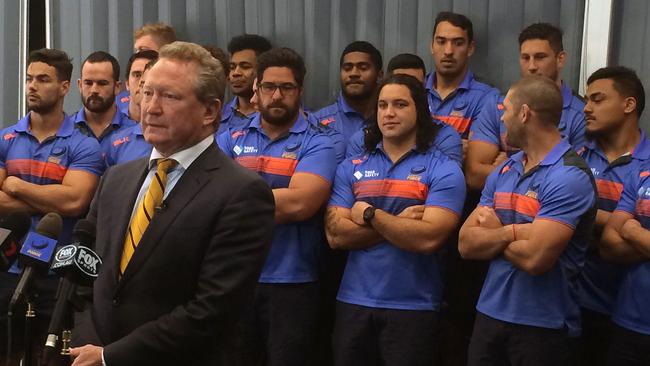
{"points": [[298, 162]]}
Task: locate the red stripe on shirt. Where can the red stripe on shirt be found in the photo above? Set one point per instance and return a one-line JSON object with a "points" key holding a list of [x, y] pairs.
{"points": [[609, 190], [391, 188], [35, 168], [268, 164], [517, 202]]}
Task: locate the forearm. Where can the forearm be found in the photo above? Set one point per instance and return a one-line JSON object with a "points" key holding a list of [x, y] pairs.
{"points": [[482, 243], [476, 173], [343, 233], [291, 207], [601, 219], [639, 239], [9, 203], [409, 234], [64, 200]]}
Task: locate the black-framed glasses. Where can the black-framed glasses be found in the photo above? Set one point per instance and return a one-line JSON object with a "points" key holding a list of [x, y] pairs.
{"points": [[270, 88]]}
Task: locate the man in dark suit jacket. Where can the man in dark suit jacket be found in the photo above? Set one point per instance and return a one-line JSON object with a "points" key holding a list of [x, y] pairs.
{"points": [[197, 262]]}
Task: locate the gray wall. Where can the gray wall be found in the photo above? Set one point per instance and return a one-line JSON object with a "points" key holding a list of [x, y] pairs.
{"points": [[629, 40], [318, 29], [9, 62]]}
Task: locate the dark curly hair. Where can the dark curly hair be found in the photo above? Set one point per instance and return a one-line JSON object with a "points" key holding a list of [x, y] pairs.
{"points": [[426, 130]]}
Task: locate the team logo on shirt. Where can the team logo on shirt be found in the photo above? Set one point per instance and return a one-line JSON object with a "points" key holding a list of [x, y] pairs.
{"points": [[370, 174], [119, 142], [358, 175], [8, 136], [416, 173], [327, 121], [290, 151], [236, 134], [55, 155], [237, 149], [643, 191], [595, 171]]}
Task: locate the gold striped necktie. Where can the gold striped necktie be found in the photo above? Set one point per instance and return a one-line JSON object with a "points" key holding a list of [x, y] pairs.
{"points": [[145, 211]]}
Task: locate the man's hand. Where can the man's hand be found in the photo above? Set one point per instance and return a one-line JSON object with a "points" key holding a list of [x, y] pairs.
{"points": [[412, 212], [87, 355], [629, 227], [488, 218], [10, 185], [356, 214]]}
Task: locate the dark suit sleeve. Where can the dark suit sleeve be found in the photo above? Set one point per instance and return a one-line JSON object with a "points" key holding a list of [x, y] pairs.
{"points": [[229, 272]]}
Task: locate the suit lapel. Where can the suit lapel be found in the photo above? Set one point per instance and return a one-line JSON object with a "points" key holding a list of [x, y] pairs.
{"points": [[189, 185]]}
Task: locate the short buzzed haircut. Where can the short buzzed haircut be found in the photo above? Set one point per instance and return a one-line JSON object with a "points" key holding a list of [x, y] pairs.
{"points": [[406, 61], [58, 59], [253, 42], [210, 83], [282, 57], [541, 95], [457, 20], [367, 48], [545, 32], [626, 82], [146, 54], [162, 32]]}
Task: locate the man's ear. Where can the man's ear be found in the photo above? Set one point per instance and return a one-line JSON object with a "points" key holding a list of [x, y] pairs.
{"points": [[212, 112]]}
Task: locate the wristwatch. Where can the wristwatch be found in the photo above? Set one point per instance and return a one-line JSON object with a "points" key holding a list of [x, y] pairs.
{"points": [[368, 214]]}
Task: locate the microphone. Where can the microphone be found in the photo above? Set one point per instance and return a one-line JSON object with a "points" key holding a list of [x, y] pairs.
{"points": [[78, 264], [36, 254], [12, 230]]}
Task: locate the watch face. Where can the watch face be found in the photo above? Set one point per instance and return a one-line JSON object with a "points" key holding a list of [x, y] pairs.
{"points": [[368, 213]]}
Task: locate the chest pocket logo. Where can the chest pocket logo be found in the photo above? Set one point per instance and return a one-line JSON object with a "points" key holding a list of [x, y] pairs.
{"points": [[56, 155], [290, 151], [416, 173]]}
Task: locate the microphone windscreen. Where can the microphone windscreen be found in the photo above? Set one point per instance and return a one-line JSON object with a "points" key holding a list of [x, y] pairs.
{"points": [[50, 225]]}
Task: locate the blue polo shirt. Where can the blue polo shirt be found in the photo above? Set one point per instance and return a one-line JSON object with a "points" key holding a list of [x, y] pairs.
{"points": [[126, 145], [232, 118], [337, 138], [22, 156], [447, 141], [560, 189], [293, 257], [633, 301], [341, 117], [385, 276], [489, 128], [119, 122], [599, 280], [122, 101], [460, 108]]}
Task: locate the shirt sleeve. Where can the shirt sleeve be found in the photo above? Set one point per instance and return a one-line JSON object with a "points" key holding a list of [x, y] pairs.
{"points": [[577, 131], [318, 157], [4, 146], [448, 141], [627, 203], [224, 142], [487, 195], [88, 157], [566, 195], [342, 190], [355, 145], [487, 126], [447, 186]]}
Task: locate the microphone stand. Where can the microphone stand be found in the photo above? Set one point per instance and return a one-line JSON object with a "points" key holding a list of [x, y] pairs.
{"points": [[30, 318]]}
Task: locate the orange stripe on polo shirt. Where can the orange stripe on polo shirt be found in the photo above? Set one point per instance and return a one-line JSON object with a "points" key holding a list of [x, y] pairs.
{"points": [[644, 174], [268, 164], [460, 124], [643, 207], [391, 188], [517, 202], [609, 190], [35, 168]]}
